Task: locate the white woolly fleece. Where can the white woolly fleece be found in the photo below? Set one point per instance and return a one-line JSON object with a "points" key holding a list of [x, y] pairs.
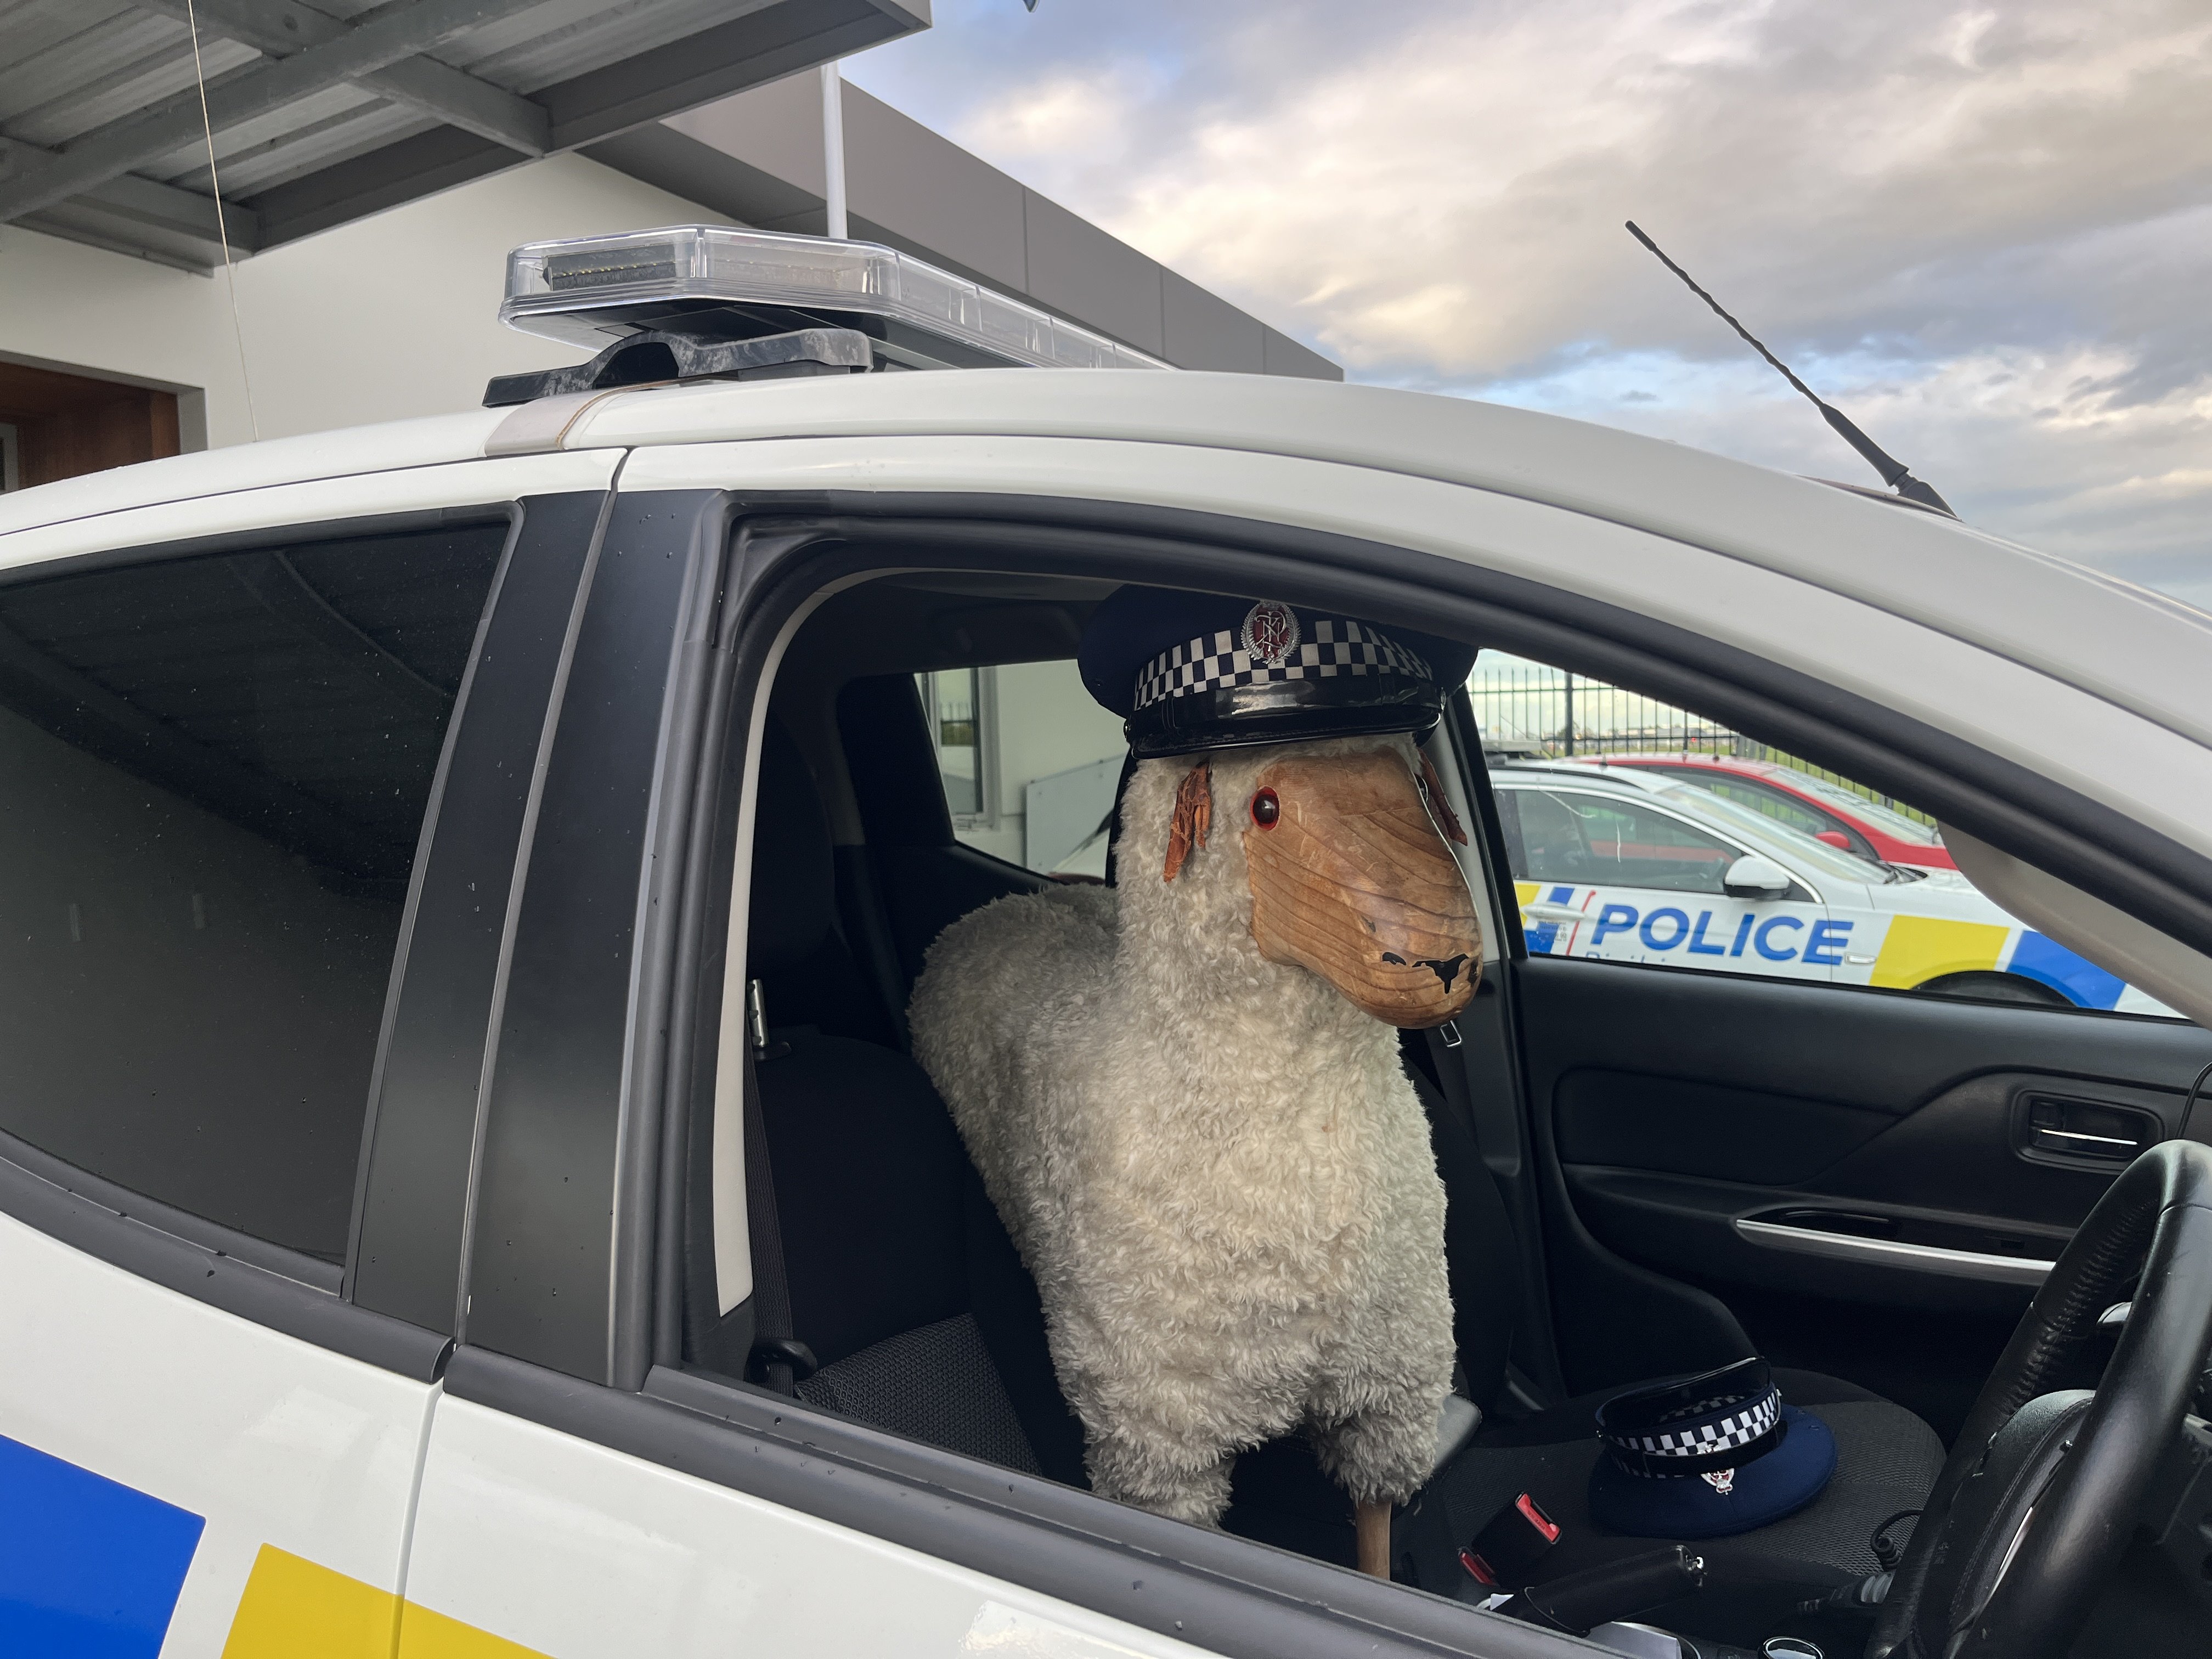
{"points": [[1214, 1165]]}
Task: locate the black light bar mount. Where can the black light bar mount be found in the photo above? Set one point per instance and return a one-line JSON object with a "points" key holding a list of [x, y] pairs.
{"points": [[656, 357]]}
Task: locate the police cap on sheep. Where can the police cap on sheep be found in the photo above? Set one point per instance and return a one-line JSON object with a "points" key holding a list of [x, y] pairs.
{"points": [[1184, 1093], [1189, 671]]}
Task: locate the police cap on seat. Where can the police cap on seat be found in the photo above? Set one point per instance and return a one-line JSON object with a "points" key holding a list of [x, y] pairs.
{"points": [[1707, 1457], [1197, 671]]}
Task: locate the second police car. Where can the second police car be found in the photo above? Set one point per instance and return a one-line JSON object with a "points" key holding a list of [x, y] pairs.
{"points": [[1628, 864], [1804, 800]]}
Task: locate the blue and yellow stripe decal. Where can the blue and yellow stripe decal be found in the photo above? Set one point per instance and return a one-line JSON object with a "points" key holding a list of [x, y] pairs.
{"points": [[92, 1569], [1917, 949], [1542, 937], [89, 1567], [295, 1609]]}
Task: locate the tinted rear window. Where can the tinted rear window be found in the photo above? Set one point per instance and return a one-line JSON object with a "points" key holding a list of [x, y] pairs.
{"points": [[213, 775]]}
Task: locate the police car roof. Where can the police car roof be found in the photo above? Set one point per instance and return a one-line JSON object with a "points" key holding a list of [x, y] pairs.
{"points": [[1554, 773], [2132, 647]]}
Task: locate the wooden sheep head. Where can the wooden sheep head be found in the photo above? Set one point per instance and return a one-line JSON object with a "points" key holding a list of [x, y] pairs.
{"points": [[1351, 879]]}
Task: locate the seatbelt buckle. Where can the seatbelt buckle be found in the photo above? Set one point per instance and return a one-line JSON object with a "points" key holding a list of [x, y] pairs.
{"points": [[1509, 1543], [781, 1363]]}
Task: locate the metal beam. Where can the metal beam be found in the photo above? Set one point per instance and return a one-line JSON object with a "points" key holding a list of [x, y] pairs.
{"points": [[398, 32], [168, 208], [778, 39], [282, 28]]}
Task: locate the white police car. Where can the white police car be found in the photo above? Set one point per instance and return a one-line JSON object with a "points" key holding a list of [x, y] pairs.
{"points": [[1630, 866], [463, 1191]]}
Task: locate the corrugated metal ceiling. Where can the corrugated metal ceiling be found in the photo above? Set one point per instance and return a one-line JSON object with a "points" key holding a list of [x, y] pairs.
{"points": [[327, 111]]}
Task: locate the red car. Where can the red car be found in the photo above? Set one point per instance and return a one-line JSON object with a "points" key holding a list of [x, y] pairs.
{"points": [[1826, 810]]}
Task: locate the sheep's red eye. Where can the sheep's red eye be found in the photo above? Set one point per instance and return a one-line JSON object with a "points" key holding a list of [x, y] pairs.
{"points": [[1265, 809]]}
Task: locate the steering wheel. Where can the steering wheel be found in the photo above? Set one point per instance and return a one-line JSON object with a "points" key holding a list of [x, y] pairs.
{"points": [[2039, 1496]]}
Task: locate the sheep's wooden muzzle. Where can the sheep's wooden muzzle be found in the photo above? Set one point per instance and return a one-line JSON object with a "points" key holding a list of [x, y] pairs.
{"points": [[1351, 879]]}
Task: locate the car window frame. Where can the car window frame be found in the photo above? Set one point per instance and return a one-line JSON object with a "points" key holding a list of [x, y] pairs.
{"points": [[285, 1290], [414, 1180], [1277, 1603]]}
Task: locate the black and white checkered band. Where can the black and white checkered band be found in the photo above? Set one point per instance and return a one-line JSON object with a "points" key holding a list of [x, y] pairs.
{"points": [[1749, 1421], [1215, 661]]}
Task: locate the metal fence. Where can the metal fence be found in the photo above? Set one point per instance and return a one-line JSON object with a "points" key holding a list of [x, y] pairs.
{"points": [[1525, 711]]}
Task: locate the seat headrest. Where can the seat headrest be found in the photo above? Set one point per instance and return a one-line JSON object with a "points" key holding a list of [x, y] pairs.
{"points": [[794, 888]]}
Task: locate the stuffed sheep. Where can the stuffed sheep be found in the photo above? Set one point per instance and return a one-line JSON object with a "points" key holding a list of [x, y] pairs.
{"points": [[1185, 1096]]}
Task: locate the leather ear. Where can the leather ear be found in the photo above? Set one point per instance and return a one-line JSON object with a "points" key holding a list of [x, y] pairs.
{"points": [[1439, 804], [1193, 816]]}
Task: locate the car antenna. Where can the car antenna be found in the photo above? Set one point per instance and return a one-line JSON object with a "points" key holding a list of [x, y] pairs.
{"points": [[1894, 472]]}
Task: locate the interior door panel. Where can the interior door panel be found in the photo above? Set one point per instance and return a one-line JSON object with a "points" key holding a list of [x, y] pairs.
{"points": [[1867, 1180]]}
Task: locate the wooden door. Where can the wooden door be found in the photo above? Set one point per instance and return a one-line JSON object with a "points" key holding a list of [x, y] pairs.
{"points": [[68, 424]]}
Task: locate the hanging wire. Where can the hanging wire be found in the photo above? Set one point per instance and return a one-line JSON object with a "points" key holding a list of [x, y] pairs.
{"points": [[222, 224]]}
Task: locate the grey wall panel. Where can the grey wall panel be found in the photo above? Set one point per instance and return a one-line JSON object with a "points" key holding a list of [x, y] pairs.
{"points": [[776, 128], [1286, 356], [1077, 268], [929, 191], [727, 187], [1203, 331]]}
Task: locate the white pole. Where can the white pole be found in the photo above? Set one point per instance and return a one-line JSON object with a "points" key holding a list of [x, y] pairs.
{"points": [[833, 150]]}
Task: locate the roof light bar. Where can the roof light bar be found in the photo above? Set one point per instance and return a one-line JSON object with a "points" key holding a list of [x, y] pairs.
{"points": [[711, 282]]}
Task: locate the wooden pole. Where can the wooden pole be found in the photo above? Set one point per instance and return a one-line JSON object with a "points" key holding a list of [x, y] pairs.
{"points": [[1372, 1522]]}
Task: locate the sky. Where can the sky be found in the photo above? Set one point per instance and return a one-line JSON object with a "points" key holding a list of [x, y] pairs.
{"points": [[1985, 233]]}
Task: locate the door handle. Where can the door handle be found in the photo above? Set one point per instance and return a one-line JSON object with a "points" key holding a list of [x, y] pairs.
{"points": [[1543, 912], [2080, 1140], [2081, 1134]]}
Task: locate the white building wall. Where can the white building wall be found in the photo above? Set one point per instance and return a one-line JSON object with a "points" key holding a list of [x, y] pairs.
{"points": [[391, 316], [1045, 722]]}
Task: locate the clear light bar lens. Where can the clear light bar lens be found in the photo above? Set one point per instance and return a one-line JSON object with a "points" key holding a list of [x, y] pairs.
{"points": [[554, 288]]}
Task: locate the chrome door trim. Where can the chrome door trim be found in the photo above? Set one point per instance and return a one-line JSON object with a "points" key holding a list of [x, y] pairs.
{"points": [[1891, 1253]]}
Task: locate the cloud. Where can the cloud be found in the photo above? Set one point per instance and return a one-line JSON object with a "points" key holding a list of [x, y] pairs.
{"points": [[1986, 232], [1067, 114]]}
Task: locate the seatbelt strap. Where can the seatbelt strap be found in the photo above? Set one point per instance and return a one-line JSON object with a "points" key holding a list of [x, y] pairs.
{"points": [[773, 1340], [1114, 820]]}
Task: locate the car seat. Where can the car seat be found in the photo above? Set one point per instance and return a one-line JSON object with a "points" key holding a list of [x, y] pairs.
{"points": [[900, 1278], [875, 1246]]}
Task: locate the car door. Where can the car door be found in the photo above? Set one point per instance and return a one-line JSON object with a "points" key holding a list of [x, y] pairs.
{"points": [[1842, 1171], [227, 733], [1611, 878], [586, 1489]]}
